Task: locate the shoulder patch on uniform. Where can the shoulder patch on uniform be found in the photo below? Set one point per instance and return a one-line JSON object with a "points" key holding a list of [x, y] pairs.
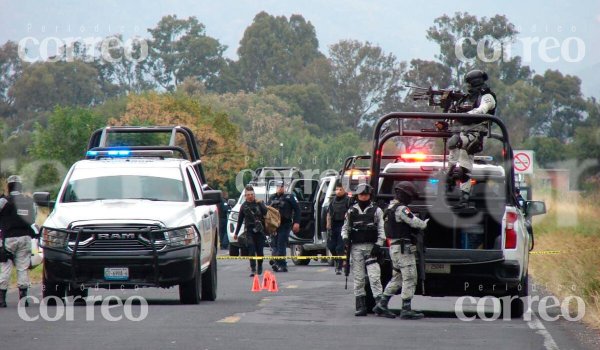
{"points": [[406, 211]]}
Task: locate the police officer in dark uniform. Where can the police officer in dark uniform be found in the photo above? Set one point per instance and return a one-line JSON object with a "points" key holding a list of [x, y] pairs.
{"points": [[336, 214], [400, 224], [17, 214], [465, 144], [252, 215], [290, 220]]}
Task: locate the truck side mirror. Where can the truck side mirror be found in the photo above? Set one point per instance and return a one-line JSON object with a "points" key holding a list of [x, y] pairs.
{"points": [[42, 199], [536, 208], [231, 202], [209, 197]]}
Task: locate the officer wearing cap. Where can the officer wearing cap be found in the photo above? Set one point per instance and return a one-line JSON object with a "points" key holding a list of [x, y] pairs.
{"points": [[400, 223], [363, 231], [464, 145], [17, 215], [290, 220]]}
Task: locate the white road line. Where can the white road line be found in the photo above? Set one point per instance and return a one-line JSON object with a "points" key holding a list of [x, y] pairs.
{"points": [[538, 326]]}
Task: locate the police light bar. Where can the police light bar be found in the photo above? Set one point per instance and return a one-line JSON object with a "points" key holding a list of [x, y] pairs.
{"points": [[414, 156], [125, 153]]}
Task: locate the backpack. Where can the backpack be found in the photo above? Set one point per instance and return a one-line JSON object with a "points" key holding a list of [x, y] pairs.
{"points": [[272, 220]]}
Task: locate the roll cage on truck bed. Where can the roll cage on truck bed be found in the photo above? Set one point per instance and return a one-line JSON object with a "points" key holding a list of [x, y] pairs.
{"points": [[470, 252]]}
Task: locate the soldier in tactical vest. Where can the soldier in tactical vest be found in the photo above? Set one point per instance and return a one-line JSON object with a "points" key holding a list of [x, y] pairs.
{"points": [[364, 234], [17, 215], [336, 214], [464, 145], [252, 215], [290, 220], [400, 224]]}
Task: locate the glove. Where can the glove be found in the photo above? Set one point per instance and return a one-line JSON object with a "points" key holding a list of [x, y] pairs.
{"points": [[375, 251]]}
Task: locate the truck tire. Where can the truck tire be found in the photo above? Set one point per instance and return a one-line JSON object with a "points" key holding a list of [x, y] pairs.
{"points": [[517, 306], [189, 292], [298, 250], [209, 281], [52, 290]]}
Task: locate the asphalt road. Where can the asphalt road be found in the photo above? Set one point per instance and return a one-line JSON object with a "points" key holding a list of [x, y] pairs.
{"points": [[312, 310]]}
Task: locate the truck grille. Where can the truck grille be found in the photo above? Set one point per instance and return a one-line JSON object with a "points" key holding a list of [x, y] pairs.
{"points": [[110, 238]]}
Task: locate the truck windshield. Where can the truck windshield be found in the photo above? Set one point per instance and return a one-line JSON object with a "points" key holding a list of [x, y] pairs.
{"points": [[168, 187]]}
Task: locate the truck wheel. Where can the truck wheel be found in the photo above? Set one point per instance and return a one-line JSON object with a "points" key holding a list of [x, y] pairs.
{"points": [[517, 306], [298, 250], [209, 281], [52, 290], [234, 250], [189, 292]]}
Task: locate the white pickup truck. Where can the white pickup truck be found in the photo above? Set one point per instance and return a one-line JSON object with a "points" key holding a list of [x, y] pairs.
{"points": [[133, 216]]}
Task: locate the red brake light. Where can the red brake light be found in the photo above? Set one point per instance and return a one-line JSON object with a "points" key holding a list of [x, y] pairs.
{"points": [[510, 239]]}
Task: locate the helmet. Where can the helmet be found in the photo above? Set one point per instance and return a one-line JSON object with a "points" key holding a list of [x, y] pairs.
{"points": [[476, 77], [363, 189], [14, 179], [407, 188]]}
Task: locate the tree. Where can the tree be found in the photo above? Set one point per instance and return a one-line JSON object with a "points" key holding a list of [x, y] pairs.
{"points": [[563, 102], [44, 85], [119, 73], [180, 48], [222, 153], [66, 135], [11, 68], [363, 75], [275, 50], [307, 101], [462, 33]]}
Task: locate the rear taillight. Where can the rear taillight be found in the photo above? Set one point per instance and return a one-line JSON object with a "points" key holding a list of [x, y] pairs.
{"points": [[510, 234]]}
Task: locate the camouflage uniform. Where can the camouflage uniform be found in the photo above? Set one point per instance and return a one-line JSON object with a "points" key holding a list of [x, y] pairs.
{"points": [[361, 251], [404, 264]]}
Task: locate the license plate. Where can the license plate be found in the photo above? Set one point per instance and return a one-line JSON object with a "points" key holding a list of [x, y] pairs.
{"points": [[116, 273], [437, 268]]}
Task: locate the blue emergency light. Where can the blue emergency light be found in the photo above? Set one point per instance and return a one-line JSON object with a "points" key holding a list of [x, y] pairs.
{"points": [[434, 181]]}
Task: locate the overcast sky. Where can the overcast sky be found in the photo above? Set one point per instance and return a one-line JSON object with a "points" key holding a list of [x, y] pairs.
{"points": [[397, 26]]}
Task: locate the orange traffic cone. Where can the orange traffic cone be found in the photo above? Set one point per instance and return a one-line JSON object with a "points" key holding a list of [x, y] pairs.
{"points": [[273, 285], [266, 280], [256, 284]]}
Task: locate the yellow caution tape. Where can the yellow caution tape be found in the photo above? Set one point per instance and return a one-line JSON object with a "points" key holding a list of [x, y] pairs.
{"points": [[546, 252], [318, 257]]}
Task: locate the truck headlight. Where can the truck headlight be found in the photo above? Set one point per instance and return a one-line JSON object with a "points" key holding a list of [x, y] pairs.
{"points": [[182, 237], [54, 239], [234, 216]]}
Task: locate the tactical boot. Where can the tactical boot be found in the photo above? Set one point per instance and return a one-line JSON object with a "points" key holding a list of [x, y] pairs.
{"points": [[2, 297], [407, 313], [338, 267], [381, 309], [361, 306], [23, 294]]}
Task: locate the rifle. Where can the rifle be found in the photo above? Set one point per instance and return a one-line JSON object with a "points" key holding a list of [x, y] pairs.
{"points": [[451, 101], [347, 265], [421, 251]]}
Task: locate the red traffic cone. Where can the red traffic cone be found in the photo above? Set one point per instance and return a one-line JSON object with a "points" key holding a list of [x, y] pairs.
{"points": [[273, 285], [266, 280], [256, 284]]}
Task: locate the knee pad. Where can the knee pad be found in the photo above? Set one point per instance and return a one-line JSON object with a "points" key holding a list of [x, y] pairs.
{"points": [[461, 174], [475, 144], [454, 142]]}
